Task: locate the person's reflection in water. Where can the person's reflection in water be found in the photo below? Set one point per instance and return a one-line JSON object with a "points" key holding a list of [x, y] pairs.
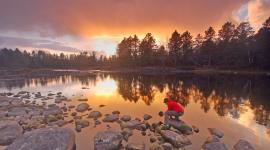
{"points": [[175, 110]]}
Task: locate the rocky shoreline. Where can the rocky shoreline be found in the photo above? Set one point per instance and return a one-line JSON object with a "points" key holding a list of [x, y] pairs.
{"points": [[28, 122]]}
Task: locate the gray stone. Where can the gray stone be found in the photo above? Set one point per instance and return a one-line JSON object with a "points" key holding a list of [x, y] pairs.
{"points": [[111, 118], [133, 124], [147, 117], [16, 111], [216, 132], [108, 140], [126, 133], [180, 126], [214, 146], [126, 118], [54, 110], [9, 131], [167, 146], [53, 138], [82, 107], [82, 123], [177, 140], [243, 145], [135, 146], [95, 114]]}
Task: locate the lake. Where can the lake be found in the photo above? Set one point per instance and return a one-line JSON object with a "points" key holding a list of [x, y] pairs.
{"points": [[238, 105]]}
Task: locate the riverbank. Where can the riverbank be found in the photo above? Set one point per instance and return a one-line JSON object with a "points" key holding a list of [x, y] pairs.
{"points": [[29, 117]]}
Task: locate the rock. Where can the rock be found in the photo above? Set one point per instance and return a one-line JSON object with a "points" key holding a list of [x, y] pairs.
{"points": [[102, 105], [16, 111], [214, 146], [216, 132], [155, 147], [180, 126], [107, 140], [61, 123], [74, 114], [78, 128], [177, 140], [83, 100], [131, 124], [71, 106], [143, 133], [9, 131], [53, 110], [126, 133], [82, 107], [111, 118], [82, 123], [126, 118], [94, 114], [51, 118], [97, 122], [161, 113], [60, 99], [147, 117], [116, 112], [152, 139], [167, 146], [135, 146], [243, 145], [53, 138], [195, 129]]}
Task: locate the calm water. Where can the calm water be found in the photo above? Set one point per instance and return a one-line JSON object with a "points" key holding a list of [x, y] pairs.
{"points": [[237, 105]]}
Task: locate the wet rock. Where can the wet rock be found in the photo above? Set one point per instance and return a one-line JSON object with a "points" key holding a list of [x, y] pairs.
{"points": [[51, 118], [216, 132], [108, 140], [82, 107], [177, 140], [9, 131], [45, 139], [161, 113], [214, 146], [111, 118], [135, 146], [102, 105], [53, 110], [82, 123], [78, 128], [133, 124], [97, 122], [74, 114], [94, 114], [60, 99], [126, 133], [143, 133], [167, 146], [147, 117], [116, 112], [16, 111], [243, 145], [126, 118], [71, 106], [155, 147], [61, 123], [83, 100]]}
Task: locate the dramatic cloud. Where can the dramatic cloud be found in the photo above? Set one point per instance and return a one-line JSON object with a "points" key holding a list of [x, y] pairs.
{"points": [[258, 11], [98, 21]]}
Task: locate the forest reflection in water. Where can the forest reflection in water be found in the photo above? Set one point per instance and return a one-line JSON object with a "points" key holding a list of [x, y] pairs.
{"points": [[227, 95]]}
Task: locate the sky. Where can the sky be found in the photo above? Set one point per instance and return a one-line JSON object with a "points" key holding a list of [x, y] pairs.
{"points": [[86, 25]]}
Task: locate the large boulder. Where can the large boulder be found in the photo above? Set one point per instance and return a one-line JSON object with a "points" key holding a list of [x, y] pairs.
{"points": [[108, 140], [126, 118], [177, 140], [45, 139], [9, 131], [180, 126], [111, 118], [82, 107], [243, 145]]}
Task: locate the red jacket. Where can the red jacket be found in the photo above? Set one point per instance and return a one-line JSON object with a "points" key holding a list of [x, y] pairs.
{"points": [[172, 105]]}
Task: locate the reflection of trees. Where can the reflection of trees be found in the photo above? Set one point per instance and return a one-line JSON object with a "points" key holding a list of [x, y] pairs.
{"points": [[224, 93]]}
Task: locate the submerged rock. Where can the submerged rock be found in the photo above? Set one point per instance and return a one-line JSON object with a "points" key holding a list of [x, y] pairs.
{"points": [[82, 107], [216, 132], [111, 118], [135, 146], [214, 146], [133, 124], [147, 117], [116, 112], [45, 139], [9, 131], [177, 140], [107, 140], [243, 145]]}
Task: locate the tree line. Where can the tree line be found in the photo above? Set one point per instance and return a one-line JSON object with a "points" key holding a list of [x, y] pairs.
{"points": [[230, 47]]}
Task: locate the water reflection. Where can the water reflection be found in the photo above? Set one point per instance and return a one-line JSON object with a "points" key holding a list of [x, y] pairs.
{"points": [[242, 98]]}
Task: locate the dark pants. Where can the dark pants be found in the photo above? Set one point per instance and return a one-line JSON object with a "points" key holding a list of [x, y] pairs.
{"points": [[169, 114]]}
